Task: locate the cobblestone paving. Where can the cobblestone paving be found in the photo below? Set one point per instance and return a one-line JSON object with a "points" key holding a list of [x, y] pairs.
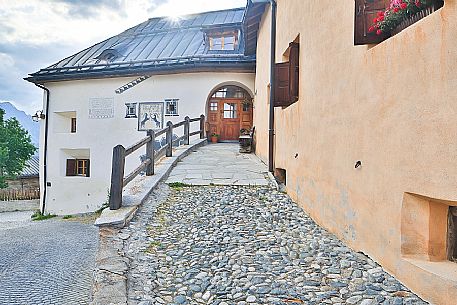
{"points": [[245, 245], [46, 262]]}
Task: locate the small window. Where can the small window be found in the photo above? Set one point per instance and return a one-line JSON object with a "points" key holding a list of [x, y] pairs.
{"points": [[377, 20], [171, 107], [78, 167], [130, 111], [230, 111], [231, 92], [223, 41], [246, 106], [213, 106], [73, 125]]}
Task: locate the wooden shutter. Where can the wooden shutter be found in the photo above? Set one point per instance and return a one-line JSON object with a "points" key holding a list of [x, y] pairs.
{"points": [[71, 167], [281, 83], [365, 12], [87, 168], [294, 71]]}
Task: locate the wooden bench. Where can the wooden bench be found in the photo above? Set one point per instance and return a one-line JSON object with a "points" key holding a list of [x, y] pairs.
{"points": [[246, 142]]}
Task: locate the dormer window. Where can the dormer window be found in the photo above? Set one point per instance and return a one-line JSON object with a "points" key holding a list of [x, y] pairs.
{"points": [[227, 41]]}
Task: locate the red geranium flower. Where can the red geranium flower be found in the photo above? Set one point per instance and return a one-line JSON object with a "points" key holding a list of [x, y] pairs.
{"points": [[381, 18], [378, 32], [403, 5], [396, 9], [418, 3], [371, 29]]}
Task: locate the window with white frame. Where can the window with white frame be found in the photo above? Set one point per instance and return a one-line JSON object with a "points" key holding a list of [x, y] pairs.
{"points": [[171, 107], [130, 111]]}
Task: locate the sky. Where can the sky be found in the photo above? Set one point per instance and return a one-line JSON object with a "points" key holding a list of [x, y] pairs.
{"points": [[37, 33]]}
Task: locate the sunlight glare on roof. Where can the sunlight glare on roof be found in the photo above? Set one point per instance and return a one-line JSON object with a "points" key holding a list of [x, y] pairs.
{"points": [[174, 17]]}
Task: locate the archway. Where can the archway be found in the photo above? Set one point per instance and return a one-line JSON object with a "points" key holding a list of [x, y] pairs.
{"points": [[229, 110]]}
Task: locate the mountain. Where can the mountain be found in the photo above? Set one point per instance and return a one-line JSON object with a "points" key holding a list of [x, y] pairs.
{"points": [[25, 120]]}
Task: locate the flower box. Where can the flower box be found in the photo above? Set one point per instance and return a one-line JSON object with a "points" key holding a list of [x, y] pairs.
{"points": [[416, 17], [400, 14]]}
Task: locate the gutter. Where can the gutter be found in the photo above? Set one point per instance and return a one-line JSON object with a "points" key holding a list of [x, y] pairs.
{"points": [[43, 206], [271, 126]]}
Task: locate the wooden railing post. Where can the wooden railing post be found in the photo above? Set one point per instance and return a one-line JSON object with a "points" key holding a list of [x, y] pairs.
{"points": [[117, 178], [169, 139], [202, 126], [186, 130], [150, 152]]}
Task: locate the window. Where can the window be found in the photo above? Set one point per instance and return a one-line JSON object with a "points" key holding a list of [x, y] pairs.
{"points": [[231, 92], [286, 81], [78, 167], [213, 106], [130, 111], [73, 125], [171, 107], [230, 111], [366, 11], [223, 41]]}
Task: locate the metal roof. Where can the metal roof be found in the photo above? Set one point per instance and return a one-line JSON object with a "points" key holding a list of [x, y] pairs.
{"points": [[31, 168], [158, 45]]}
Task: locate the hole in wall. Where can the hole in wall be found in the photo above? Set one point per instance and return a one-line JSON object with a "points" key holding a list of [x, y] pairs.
{"points": [[281, 175]]}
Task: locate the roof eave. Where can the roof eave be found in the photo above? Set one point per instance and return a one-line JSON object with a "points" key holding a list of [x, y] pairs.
{"points": [[239, 67]]}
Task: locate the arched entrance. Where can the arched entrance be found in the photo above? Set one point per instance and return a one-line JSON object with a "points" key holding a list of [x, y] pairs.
{"points": [[229, 110]]}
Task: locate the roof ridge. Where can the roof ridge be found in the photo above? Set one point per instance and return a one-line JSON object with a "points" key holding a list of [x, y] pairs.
{"points": [[201, 13]]}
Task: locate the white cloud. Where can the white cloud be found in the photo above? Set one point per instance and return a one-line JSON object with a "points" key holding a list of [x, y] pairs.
{"points": [[179, 7], [37, 33]]}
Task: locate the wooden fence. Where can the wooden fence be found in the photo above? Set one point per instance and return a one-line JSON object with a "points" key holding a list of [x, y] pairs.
{"points": [[118, 181], [26, 194]]}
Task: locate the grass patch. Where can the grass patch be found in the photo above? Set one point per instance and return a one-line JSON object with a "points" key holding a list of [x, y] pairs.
{"points": [[68, 216], [178, 185], [153, 246], [37, 216]]}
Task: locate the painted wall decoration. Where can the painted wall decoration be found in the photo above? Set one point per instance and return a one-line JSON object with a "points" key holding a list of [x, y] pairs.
{"points": [[150, 115], [101, 108]]}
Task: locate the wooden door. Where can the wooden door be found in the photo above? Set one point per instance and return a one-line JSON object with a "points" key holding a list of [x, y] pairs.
{"points": [[230, 119], [227, 116]]}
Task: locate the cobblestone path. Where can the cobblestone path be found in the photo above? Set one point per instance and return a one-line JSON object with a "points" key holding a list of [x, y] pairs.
{"points": [[46, 262], [245, 245]]}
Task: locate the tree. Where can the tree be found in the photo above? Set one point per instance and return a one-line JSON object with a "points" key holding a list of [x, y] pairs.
{"points": [[15, 148]]}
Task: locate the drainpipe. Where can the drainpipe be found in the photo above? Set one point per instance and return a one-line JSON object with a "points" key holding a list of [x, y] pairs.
{"points": [[271, 121], [45, 146]]}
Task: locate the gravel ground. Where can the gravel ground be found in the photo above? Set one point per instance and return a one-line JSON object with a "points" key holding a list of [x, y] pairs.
{"points": [[45, 262], [240, 245]]}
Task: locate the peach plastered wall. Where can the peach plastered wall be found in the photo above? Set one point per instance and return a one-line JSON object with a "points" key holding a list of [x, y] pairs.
{"points": [[392, 106]]}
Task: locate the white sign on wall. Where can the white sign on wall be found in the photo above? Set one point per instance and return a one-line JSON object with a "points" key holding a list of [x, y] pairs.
{"points": [[150, 116], [101, 108]]}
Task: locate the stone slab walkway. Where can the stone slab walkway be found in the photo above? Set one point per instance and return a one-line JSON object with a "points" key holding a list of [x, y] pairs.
{"points": [[220, 164], [226, 245]]}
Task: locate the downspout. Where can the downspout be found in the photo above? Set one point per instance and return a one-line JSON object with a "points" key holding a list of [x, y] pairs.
{"points": [[271, 121], [45, 146]]}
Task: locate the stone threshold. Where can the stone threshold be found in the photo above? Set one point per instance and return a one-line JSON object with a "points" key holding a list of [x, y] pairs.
{"points": [[137, 191]]}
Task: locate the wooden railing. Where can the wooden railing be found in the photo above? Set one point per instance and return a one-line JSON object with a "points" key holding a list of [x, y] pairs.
{"points": [[118, 181]]}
